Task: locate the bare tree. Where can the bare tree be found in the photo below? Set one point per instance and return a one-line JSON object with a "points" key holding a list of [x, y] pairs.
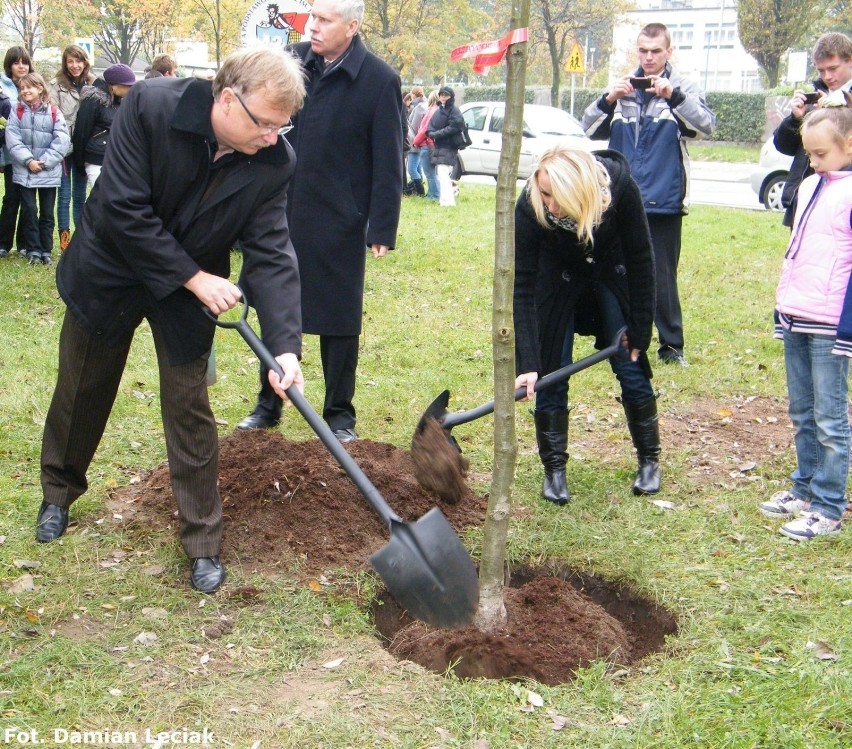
{"points": [[25, 19], [491, 615]]}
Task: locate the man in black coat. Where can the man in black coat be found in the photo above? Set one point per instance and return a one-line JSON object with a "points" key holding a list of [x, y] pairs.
{"points": [[191, 169], [345, 196]]}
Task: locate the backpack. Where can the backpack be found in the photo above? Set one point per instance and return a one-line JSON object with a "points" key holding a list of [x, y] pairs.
{"points": [[20, 112], [462, 139]]}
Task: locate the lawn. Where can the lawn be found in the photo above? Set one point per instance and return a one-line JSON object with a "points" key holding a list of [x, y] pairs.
{"points": [[107, 637]]}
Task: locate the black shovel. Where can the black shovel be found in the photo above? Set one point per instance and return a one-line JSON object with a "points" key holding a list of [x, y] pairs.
{"points": [[424, 566], [438, 408]]}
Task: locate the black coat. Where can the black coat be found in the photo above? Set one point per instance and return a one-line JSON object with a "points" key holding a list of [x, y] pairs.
{"points": [[555, 275], [444, 128], [91, 128], [347, 189], [162, 210]]}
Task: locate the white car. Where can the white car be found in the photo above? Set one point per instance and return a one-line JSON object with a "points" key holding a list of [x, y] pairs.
{"points": [[769, 177], [543, 126]]}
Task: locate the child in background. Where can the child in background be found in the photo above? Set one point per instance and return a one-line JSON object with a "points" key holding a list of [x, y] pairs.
{"points": [[37, 139], [814, 318]]}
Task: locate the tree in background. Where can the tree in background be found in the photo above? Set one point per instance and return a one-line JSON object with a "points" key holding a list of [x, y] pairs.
{"points": [[768, 29], [218, 22], [416, 38], [561, 23], [26, 20]]}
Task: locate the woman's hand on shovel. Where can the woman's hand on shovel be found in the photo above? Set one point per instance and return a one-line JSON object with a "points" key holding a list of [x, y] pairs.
{"points": [[527, 380], [292, 376]]}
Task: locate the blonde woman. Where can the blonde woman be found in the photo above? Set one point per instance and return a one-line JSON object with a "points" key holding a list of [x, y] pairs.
{"points": [[584, 265]]}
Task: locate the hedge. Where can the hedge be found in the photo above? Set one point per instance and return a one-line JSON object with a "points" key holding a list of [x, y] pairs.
{"points": [[740, 117]]}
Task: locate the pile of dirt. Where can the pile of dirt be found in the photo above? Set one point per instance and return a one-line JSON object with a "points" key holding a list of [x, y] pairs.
{"points": [[291, 509]]}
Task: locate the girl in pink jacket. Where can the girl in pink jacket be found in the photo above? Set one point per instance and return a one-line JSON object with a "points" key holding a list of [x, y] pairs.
{"points": [[814, 317]]}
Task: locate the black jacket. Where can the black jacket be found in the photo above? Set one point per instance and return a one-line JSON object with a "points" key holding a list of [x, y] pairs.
{"points": [[445, 125], [162, 210], [93, 123], [788, 140], [556, 275]]}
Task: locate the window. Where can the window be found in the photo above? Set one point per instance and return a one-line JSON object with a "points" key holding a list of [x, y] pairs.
{"points": [[682, 35], [475, 118]]}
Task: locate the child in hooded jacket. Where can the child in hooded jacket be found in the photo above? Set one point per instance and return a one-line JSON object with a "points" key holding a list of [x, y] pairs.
{"points": [[814, 318], [37, 139]]}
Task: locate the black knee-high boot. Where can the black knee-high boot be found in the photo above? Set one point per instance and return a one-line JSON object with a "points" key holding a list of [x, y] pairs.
{"points": [[551, 433], [644, 426]]}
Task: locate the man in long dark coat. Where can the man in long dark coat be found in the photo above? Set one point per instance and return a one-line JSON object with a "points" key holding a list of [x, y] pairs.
{"points": [[345, 196], [190, 171]]}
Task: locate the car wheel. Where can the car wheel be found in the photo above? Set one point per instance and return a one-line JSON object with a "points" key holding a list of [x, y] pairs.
{"points": [[458, 169], [772, 193]]}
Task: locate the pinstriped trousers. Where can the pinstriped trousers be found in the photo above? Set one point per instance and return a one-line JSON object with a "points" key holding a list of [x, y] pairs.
{"points": [[89, 378]]}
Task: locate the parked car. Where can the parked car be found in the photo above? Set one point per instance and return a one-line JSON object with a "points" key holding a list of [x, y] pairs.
{"points": [[769, 177], [543, 126]]}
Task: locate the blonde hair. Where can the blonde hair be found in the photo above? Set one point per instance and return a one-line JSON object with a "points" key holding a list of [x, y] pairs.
{"points": [[276, 73], [579, 184], [34, 79], [839, 118], [433, 99]]}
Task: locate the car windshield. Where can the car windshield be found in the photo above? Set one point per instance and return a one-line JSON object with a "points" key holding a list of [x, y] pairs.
{"points": [[551, 121]]}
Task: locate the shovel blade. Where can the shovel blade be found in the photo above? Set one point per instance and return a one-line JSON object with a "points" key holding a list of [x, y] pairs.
{"points": [[429, 572], [437, 410]]}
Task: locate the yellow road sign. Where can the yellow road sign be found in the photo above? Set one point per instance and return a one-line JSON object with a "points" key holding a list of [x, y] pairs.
{"points": [[575, 60]]}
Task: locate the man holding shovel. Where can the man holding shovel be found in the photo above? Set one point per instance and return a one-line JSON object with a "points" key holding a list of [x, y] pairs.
{"points": [[191, 170]]}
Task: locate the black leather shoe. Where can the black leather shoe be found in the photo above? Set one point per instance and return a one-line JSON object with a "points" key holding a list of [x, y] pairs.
{"points": [[52, 522], [207, 574], [258, 420], [345, 435], [673, 356]]}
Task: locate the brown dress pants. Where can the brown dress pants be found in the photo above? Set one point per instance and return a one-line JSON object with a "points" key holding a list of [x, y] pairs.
{"points": [[88, 382]]}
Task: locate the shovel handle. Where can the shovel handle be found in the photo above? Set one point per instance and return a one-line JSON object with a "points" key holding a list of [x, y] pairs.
{"points": [[558, 375], [321, 429]]}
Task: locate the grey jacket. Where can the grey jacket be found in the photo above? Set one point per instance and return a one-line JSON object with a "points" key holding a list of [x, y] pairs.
{"points": [[41, 135]]}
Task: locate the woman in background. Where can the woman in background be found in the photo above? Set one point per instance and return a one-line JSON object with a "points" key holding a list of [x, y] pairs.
{"points": [[16, 64], [65, 90]]}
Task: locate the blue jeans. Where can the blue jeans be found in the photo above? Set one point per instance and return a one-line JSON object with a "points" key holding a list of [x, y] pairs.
{"points": [[635, 386], [819, 409], [72, 189], [414, 164], [428, 169]]}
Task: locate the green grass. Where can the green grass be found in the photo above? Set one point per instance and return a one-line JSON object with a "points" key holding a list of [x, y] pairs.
{"points": [[738, 674], [707, 150]]}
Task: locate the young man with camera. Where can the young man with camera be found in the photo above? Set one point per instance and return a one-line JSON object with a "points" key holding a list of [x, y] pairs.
{"points": [[647, 117], [832, 56]]}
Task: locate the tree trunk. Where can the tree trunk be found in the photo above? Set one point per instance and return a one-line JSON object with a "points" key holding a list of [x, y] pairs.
{"points": [[492, 611]]}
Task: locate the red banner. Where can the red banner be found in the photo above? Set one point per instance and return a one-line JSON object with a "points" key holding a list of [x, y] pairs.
{"points": [[488, 54]]}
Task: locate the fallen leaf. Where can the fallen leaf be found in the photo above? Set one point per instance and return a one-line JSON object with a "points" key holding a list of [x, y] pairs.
{"points": [[725, 412], [326, 620], [23, 584], [27, 564], [145, 638], [333, 664], [153, 570], [204, 659], [155, 612], [314, 585], [791, 591], [823, 651], [535, 699], [116, 692], [663, 504], [746, 467]]}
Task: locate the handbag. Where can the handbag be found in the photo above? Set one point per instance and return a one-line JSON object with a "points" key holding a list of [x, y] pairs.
{"points": [[461, 139]]}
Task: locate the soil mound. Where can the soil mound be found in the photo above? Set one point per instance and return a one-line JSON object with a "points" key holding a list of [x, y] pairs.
{"points": [[291, 509]]}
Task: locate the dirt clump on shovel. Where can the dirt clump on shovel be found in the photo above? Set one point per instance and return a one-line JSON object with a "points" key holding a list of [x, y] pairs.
{"points": [[438, 465]]}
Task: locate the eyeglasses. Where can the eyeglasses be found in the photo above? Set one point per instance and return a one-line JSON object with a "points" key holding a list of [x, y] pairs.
{"points": [[267, 129]]}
